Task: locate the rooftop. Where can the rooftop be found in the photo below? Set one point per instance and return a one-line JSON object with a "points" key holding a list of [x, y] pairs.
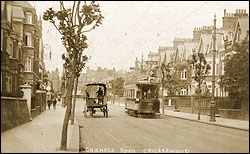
{"points": [[25, 4]]}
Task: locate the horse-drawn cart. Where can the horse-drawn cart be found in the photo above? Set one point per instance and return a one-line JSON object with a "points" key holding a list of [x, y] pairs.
{"points": [[96, 98]]}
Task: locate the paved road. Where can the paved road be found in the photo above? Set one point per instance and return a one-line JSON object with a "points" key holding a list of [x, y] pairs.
{"points": [[122, 133]]}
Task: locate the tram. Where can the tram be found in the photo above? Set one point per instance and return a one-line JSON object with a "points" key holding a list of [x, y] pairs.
{"points": [[142, 99]]}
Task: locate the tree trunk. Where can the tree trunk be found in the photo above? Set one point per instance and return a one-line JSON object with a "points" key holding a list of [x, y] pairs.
{"points": [[163, 99], [74, 102], [69, 90], [199, 103], [199, 107]]}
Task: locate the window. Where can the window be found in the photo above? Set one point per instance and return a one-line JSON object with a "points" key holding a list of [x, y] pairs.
{"points": [[21, 31], [9, 82], [183, 92], [193, 72], [184, 74], [11, 49], [222, 68], [28, 17], [28, 64], [239, 32], [9, 13], [27, 39]]}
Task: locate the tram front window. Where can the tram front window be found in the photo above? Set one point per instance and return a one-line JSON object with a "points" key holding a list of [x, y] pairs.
{"points": [[150, 92]]}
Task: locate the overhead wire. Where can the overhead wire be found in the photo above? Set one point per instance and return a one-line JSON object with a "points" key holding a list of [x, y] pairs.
{"points": [[170, 27]]}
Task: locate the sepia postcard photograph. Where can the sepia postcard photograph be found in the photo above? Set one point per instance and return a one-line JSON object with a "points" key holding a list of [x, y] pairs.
{"points": [[124, 76]]}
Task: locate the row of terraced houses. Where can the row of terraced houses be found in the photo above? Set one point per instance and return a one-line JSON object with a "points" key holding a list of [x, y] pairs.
{"points": [[235, 29]]}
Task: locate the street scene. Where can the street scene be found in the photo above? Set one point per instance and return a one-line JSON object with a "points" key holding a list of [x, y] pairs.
{"points": [[124, 77]]}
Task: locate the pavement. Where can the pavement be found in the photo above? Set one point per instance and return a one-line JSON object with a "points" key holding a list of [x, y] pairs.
{"points": [[223, 122], [41, 135]]}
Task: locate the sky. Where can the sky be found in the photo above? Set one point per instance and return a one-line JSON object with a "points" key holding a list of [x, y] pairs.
{"points": [[132, 28]]}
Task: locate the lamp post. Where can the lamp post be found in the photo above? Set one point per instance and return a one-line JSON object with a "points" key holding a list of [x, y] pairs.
{"points": [[212, 105]]}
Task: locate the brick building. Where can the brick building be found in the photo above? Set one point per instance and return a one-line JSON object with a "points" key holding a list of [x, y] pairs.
{"points": [[21, 47]]}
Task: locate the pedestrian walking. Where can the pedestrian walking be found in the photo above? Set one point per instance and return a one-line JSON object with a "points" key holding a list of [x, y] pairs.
{"points": [[49, 100], [49, 103], [54, 101]]}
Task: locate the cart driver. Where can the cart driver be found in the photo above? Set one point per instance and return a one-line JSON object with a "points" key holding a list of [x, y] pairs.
{"points": [[100, 96]]}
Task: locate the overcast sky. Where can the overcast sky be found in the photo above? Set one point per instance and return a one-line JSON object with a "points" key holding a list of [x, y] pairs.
{"points": [[131, 28]]}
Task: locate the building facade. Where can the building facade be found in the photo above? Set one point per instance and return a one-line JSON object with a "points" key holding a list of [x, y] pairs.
{"points": [[235, 29], [21, 44]]}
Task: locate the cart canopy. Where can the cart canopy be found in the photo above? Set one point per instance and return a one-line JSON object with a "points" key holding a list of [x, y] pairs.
{"points": [[92, 88]]}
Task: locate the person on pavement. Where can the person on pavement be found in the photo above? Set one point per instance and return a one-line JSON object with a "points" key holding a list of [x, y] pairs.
{"points": [[54, 102], [49, 101]]}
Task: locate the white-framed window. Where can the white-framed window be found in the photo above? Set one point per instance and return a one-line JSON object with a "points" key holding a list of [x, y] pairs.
{"points": [[28, 39], [9, 13], [222, 68], [21, 31], [28, 64], [184, 74], [28, 17], [9, 82], [183, 91], [11, 49]]}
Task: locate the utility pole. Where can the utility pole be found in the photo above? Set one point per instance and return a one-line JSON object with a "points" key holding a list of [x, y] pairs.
{"points": [[212, 105]]}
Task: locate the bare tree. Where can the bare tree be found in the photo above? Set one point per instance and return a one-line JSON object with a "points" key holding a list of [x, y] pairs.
{"points": [[72, 23]]}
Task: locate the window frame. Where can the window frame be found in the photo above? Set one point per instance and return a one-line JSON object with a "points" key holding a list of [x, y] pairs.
{"points": [[184, 74], [28, 18], [9, 82], [28, 39], [28, 64]]}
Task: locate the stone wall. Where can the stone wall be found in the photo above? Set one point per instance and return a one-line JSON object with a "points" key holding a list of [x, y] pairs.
{"points": [[14, 112], [231, 113]]}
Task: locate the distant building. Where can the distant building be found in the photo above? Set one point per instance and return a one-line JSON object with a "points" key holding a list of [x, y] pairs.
{"points": [[55, 81]]}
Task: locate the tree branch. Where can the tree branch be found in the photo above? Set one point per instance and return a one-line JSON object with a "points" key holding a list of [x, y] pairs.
{"points": [[88, 30], [79, 18], [53, 22], [73, 14], [61, 2]]}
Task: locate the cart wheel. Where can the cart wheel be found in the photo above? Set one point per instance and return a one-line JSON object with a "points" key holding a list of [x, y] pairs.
{"points": [[85, 114], [107, 113], [91, 112]]}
